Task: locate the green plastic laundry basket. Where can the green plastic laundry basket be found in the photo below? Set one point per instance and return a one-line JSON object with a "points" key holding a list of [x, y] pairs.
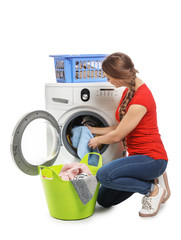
{"points": [[62, 199]]}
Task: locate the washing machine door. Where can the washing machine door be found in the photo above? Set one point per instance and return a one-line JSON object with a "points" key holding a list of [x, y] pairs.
{"points": [[36, 140]]}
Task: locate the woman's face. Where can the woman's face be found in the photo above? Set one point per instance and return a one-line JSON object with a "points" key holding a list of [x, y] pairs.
{"points": [[116, 82]]}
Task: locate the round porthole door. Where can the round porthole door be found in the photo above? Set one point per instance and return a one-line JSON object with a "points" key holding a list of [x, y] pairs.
{"points": [[36, 141]]}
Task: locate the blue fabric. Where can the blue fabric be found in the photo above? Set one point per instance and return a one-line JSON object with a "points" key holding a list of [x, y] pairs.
{"points": [[125, 176], [80, 139]]}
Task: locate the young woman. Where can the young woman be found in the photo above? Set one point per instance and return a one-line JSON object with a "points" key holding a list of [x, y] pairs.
{"points": [[138, 130]]}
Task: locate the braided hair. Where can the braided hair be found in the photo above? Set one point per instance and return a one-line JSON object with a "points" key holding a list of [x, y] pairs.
{"points": [[120, 66]]}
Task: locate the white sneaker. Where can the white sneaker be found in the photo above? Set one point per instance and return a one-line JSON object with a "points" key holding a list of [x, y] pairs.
{"points": [[163, 181], [151, 205]]}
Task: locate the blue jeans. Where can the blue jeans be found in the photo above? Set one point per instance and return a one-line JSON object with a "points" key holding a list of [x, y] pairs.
{"points": [[122, 177]]}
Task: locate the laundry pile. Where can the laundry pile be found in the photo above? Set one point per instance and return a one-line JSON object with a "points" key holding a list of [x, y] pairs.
{"points": [[70, 170], [81, 178]]}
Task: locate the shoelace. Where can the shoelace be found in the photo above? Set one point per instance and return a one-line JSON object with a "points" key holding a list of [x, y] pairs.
{"points": [[146, 201]]}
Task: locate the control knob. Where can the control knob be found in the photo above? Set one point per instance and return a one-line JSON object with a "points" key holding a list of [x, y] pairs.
{"points": [[85, 95]]}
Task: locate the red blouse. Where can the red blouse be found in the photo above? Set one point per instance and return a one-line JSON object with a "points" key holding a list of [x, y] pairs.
{"points": [[145, 138]]}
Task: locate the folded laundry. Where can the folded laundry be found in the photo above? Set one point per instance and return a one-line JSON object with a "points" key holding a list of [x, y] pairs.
{"points": [[80, 139], [71, 170]]}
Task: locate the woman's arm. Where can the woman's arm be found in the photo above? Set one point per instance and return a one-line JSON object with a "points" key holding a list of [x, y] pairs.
{"points": [[101, 131], [133, 116]]}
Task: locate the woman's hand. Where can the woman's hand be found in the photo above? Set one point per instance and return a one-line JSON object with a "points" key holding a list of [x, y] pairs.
{"points": [[94, 142]]}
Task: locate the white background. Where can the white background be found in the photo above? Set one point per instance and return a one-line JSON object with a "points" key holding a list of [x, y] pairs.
{"points": [[149, 32]]}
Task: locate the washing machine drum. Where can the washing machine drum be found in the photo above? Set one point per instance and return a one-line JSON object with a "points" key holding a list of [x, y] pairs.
{"points": [[81, 118], [36, 140]]}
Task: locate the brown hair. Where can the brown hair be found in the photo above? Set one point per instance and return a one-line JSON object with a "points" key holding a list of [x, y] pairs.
{"points": [[120, 66]]}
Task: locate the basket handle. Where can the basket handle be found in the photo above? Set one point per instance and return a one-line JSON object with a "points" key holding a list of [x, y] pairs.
{"points": [[54, 174], [86, 158]]}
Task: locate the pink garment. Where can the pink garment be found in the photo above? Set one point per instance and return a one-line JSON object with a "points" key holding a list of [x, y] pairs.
{"points": [[70, 170]]}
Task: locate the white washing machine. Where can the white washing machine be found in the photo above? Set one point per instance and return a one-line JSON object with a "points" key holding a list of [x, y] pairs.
{"points": [[71, 103], [67, 105]]}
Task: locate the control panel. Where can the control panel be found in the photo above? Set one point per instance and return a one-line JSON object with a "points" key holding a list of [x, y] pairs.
{"points": [[108, 94], [98, 96]]}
